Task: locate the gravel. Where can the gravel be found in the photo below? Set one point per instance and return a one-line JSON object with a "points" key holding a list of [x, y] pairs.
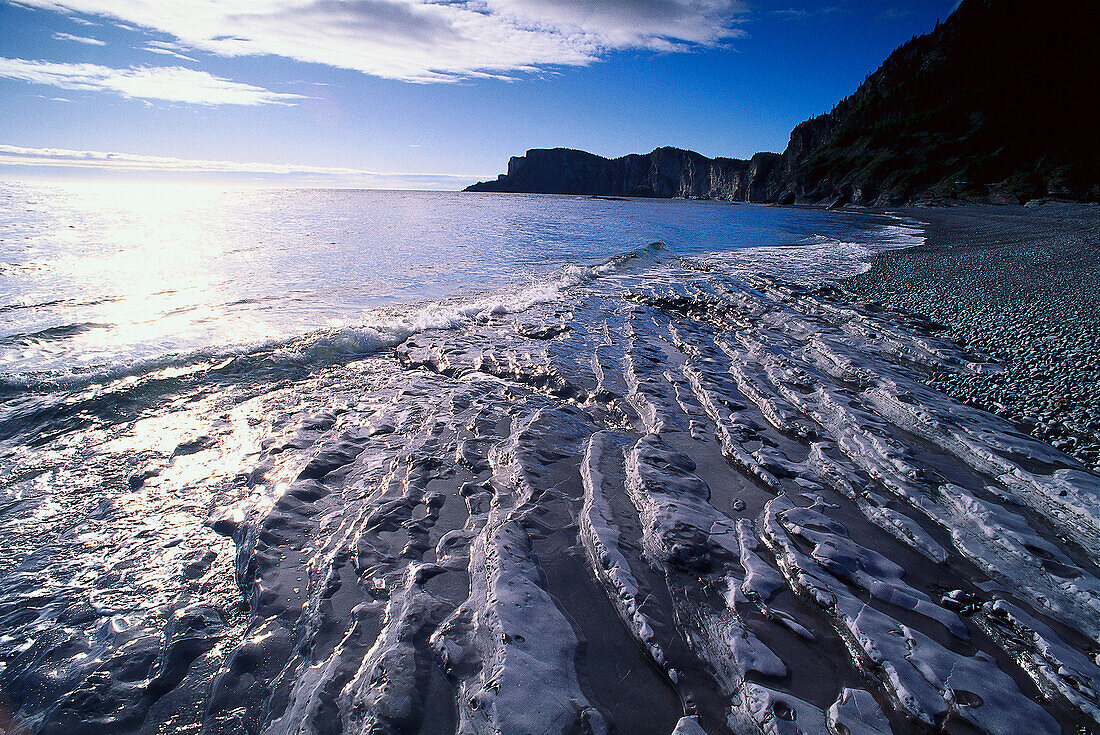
{"points": [[1021, 285]]}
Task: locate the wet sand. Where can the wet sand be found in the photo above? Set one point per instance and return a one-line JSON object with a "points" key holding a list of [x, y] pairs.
{"points": [[673, 501]]}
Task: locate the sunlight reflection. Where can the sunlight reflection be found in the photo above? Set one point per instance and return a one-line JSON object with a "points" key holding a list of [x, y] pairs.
{"points": [[154, 260]]}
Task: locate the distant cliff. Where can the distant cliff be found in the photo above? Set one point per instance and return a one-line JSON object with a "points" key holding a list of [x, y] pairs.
{"points": [[666, 172], [998, 104], [663, 173]]}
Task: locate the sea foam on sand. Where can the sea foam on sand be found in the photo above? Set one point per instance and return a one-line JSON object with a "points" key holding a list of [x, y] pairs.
{"points": [[658, 500]]}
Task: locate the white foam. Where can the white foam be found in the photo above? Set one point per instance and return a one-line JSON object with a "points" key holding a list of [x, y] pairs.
{"points": [[819, 257], [381, 329]]}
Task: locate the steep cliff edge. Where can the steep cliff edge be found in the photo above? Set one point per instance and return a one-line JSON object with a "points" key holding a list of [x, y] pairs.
{"points": [[666, 172], [995, 105]]}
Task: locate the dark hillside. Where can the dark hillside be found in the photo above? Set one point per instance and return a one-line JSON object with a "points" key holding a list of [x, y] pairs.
{"points": [[998, 103]]}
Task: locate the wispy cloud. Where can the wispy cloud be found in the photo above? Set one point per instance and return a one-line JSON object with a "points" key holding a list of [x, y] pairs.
{"points": [[11, 155], [78, 39], [169, 83], [165, 49], [792, 13], [891, 14], [803, 13], [429, 40], [167, 52]]}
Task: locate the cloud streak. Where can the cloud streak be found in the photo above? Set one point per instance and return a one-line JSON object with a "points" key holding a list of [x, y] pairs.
{"points": [[803, 13], [164, 49], [78, 39], [429, 40], [167, 83], [11, 155]]}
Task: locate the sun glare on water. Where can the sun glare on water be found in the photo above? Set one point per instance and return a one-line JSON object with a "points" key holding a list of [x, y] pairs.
{"points": [[154, 262]]}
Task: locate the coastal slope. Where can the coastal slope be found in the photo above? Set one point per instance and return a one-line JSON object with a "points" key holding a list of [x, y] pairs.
{"points": [[990, 106]]}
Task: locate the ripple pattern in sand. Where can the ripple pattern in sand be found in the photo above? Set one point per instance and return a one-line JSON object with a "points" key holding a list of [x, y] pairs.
{"points": [[665, 504]]}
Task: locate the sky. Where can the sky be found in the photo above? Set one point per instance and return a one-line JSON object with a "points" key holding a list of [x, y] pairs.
{"points": [[431, 94]]}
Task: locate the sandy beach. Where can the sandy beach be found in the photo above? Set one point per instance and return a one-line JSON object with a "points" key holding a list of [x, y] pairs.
{"points": [[556, 367], [670, 491]]}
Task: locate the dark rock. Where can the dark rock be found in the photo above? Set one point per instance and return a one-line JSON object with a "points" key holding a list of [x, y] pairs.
{"points": [[666, 172], [991, 106]]}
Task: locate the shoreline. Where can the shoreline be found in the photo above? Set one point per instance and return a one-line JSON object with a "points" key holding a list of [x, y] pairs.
{"points": [[676, 499], [1018, 284]]}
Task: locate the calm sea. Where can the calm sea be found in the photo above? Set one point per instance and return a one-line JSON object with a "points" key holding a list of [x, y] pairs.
{"points": [[96, 280]]}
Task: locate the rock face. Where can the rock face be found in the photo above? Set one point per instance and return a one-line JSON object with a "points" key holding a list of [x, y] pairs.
{"points": [[993, 105], [666, 172]]}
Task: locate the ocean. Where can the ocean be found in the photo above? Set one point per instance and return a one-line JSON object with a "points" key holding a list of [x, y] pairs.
{"points": [[100, 278], [321, 461]]}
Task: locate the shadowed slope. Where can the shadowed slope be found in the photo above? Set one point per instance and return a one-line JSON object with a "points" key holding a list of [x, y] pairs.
{"points": [[993, 105]]}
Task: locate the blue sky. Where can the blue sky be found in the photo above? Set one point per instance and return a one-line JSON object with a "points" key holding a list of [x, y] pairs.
{"points": [[417, 93]]}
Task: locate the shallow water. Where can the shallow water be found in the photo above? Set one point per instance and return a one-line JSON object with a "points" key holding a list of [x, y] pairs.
{"points": [[102, 276], [421, 463]]}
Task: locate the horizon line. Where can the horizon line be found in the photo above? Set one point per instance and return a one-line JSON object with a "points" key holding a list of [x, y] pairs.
{"points": [[13, 159]]}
